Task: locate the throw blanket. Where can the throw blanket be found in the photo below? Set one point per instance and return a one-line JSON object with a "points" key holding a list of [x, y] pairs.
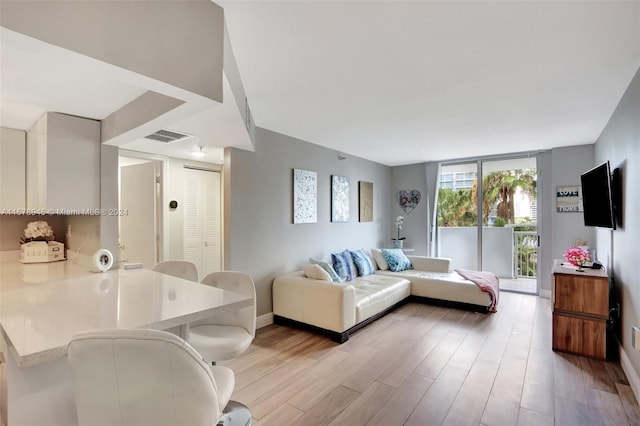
{"points": [[487, 281]]}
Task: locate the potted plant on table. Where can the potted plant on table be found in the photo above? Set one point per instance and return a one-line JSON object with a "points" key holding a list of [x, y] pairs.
{"points": [[398, 242], [577, 256]]}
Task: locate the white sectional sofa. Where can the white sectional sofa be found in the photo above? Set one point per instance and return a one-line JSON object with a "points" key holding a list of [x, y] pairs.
{"points": [[339, 309]]}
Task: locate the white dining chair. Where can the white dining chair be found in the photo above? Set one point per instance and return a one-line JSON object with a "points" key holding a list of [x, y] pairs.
{"points": [[148, 377], [178, 268], [229, 333]]}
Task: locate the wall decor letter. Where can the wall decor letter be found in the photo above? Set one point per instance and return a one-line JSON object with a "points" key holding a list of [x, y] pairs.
{"points": [[569, 199]]}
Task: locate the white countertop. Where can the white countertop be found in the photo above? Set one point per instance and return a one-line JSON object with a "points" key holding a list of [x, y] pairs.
{"points": [[14, 274], [38, 319]]}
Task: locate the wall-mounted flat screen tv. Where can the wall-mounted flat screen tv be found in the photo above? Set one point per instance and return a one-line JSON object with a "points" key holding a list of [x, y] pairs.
{"points": [[596, 197]]}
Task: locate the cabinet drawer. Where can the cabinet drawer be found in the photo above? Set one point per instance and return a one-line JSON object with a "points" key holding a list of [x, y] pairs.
{"points": [[582, 336], [588, 295]]}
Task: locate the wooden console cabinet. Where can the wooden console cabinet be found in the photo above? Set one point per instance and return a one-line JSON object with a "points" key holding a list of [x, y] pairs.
{"points": [[580, 311]]}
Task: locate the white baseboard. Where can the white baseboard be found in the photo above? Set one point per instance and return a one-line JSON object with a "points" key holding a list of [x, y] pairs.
{"points": [[545, 293], [264, 320], [632, 375]]}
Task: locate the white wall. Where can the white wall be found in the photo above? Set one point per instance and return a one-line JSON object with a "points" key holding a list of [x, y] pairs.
{"points": [[13, 177], [620, 144], [260, 237], [176, 42], [83, 234]]}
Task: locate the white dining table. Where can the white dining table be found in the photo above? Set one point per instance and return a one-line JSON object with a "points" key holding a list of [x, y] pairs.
{"points": [[38, 321]]}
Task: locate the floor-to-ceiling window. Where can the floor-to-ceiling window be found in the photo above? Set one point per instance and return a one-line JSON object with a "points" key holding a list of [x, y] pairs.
{"points": [[487, 218]]}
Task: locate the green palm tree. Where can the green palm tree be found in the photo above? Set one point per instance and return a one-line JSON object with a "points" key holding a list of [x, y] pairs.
{"points": [[456, 208], [500, 187]]}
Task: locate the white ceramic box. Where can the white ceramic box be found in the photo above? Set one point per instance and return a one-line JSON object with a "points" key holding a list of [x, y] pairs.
{"points": [[41, 251]]}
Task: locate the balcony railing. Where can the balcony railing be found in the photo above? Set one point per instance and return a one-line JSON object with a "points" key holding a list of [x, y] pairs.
{"points": [[525, 248]]}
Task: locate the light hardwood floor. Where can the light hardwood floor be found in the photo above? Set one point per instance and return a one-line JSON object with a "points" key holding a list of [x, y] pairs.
{"points": [[427, 365]]}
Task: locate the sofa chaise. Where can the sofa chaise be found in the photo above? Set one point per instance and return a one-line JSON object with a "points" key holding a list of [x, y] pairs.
{"points": [[338, 309]]}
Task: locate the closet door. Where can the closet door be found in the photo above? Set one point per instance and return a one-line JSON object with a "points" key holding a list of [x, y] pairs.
{"points": [[202, 241]]}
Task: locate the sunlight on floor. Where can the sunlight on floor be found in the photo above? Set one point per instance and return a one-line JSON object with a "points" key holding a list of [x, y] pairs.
{"points": [[524, 285]]}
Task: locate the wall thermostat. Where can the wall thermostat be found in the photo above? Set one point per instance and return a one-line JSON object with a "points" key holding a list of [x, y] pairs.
{"points": [[173, 204]]}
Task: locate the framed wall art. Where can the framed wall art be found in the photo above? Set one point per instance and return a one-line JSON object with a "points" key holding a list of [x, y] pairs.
{"points": [[339, 198], [305, 196], [365, 199]]}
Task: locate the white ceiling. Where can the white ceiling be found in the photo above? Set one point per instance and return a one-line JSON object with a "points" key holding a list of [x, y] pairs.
{"points": [[405, 82], [37, 77], [391, 81]]}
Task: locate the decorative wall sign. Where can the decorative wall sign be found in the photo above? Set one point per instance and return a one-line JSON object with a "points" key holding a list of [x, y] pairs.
{"points": [[365, 192], [339, 199], [568, 199], [305, 196], [408, 200]]}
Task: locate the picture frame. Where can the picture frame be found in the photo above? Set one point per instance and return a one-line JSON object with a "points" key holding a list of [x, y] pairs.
{"points": [[339, 198], [365, 201], [305, 196]]}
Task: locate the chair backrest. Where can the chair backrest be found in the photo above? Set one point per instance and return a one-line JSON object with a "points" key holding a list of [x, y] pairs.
{"points": [[238, 282], [178, 268], [140, 377]]}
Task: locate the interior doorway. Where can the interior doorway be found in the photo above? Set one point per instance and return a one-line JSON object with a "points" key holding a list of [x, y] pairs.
{"points": [[139, 199]]}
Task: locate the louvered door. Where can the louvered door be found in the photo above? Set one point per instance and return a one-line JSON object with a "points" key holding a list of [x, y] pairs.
{"points": [[202, 242]]}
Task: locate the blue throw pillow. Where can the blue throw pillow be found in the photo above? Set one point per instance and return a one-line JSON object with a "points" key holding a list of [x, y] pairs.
{"points": [[344, 266], [363, 262], [397, 260], [327, 267]]}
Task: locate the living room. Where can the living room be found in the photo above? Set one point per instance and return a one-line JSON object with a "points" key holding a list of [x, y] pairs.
{"points": [[261, 239]]}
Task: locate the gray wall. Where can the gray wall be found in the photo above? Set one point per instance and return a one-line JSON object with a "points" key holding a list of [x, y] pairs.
{"points": [[415, 223], [558, 231], [567, 164], [618, 250], [260, 237], [558, 167]]}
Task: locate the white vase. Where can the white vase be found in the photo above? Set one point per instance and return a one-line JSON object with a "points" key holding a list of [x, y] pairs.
{"points": [[398, 243]]}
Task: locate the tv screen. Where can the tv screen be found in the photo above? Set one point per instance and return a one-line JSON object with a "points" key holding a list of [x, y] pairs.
{"points": [[596, 197]]}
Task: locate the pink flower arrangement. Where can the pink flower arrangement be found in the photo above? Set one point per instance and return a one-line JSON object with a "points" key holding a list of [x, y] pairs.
{"points": [[577, 256]]}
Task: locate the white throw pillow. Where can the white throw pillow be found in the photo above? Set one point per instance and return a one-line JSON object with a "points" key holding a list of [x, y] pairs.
{"points": [[316, 272], [379, 258]]}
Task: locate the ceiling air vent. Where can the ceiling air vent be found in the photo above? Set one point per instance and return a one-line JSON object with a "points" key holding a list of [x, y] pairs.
{"points": [[167, 136]]}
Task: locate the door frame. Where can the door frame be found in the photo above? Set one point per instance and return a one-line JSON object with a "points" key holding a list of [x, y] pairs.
{"points": [[162, 168], [479, 173], [219, 171]]}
